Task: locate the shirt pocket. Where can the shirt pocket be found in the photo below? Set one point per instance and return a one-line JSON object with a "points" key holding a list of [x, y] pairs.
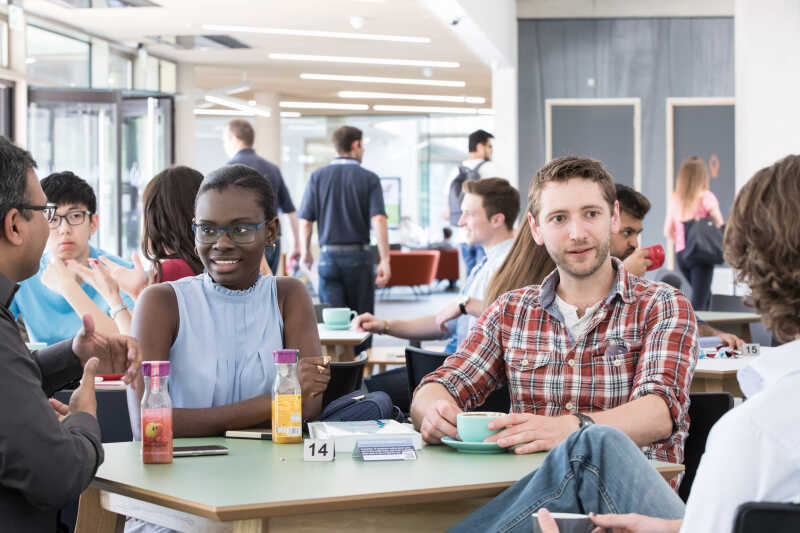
{"points": [[527, 371], [614, 365]]}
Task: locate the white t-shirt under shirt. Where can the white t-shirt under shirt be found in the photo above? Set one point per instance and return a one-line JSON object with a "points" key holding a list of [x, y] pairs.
{"points": [[753, 452], [575, 324]]}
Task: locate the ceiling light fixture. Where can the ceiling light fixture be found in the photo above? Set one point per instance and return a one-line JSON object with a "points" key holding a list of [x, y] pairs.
{"points": [[428, 109], [380, 79], [325, 105], [239, 89], [224, 112], [290, 114], [319, 33], [365, 60], [237, 103], [400, 96]]}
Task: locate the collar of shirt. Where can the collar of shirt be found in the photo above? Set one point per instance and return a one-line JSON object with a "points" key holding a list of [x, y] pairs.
{"points": [[244, 151], [622, 286], [47, 258], [345, 161], [7, 291], [768, 368]]}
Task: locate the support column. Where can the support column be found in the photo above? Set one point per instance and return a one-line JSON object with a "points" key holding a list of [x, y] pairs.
{"points": [[268, 129], [767, 74], [17, 52], [185, 135], [506, 125], [100, 60]]}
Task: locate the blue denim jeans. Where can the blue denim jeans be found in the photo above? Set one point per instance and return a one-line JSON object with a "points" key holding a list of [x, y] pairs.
{"points": [[273, 256], [472, 254], [699, 276], [597, 469], [347, 279]]}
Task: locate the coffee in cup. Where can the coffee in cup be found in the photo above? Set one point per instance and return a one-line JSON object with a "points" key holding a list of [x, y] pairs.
{"points": [[656, 255], [474, 426], [338, 316]]}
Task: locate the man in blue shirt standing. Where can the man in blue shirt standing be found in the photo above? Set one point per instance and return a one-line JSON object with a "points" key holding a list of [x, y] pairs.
{"points": [[238, 139], [344, 198], [53, 301]]}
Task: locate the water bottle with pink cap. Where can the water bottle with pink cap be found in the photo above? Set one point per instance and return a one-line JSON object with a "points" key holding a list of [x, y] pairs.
{"points": [[156, 414]]}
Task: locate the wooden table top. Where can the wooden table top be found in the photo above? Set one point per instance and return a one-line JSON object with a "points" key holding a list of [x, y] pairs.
{"points": [[260, 479], [727, 317]]}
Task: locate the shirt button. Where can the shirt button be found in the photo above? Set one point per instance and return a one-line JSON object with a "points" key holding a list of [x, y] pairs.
{"points": [[571, 362], [617, 362], [569, 406], [524, 362]]}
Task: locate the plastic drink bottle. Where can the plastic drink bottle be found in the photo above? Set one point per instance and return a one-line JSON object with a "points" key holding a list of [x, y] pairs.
{"points": [[287, 410], [156, 414]]}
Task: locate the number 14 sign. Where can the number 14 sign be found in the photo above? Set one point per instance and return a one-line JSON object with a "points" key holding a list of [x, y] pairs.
{"points": [[318, 450]]}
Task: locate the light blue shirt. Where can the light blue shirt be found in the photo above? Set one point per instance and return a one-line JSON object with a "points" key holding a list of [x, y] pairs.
{"points": [[48, 316], [223, 351]]}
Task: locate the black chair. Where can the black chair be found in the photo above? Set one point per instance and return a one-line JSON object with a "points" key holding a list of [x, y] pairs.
{"points": [[318, 311], [346, 377], [420, 363], [115, 426], [705, 409], [393, 382], [726, 302], [676, 279], [757, 517]]}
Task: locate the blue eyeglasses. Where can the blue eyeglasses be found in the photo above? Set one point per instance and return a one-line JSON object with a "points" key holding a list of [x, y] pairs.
{"points": [[238, 233]]}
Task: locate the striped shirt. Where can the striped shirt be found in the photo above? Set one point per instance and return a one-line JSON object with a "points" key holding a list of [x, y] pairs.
{"points": [[641, 341]]}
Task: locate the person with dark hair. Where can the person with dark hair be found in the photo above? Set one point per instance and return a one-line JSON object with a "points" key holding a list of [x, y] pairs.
{"points": [[344, 199], [477, 165], [446, 242], [489, 209], [50, 451], [53, 301], [591, 344], [599, 469], [238, 140]]}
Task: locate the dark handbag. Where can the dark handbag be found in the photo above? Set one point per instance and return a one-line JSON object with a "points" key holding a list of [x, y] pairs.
{"points": [[358, 406], [703, 241]]}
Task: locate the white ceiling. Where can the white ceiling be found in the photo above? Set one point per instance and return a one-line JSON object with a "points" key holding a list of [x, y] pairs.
{"points": [[220, 68]]}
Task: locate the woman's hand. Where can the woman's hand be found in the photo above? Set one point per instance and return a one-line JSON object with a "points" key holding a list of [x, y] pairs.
{"points": [[131, 280], [99, 277], [314, 374]]}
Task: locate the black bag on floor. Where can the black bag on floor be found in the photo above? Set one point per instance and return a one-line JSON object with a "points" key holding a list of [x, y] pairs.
{"points": [[358, 406], [703, 241]]}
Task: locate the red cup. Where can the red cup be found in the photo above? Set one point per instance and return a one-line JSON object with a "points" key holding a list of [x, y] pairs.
{"points": [[656, 255]]}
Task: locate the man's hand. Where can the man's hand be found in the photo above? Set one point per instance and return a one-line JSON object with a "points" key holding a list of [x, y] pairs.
{"points": [[308, 260], [638, 262], [546, 521], [131, 280], [83, 398], [634, 523], [58, 278], [728, 339], [440, 421], [532, 433], [384, 273], [448, 313], [98, 275], [116, 353], [368, 322]]}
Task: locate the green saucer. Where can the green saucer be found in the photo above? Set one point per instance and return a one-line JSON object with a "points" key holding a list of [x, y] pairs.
{"points": [[338, 327], [473, 447]]}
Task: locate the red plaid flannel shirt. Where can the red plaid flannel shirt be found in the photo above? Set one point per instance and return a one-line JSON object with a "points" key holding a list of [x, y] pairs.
{"points": [[642, 340]]}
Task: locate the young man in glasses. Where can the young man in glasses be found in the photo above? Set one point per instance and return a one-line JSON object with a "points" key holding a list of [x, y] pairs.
{"points": [[52, 302]]}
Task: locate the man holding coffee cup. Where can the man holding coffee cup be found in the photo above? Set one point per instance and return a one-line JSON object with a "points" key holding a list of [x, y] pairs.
{"points": [[592, 344], [633, 206]]}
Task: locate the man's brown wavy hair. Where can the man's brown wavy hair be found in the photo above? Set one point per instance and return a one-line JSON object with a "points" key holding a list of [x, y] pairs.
{"points": [[762, 243]]}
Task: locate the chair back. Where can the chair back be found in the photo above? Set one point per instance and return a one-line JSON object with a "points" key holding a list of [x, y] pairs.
{"points": [[420, 363], [676, 279], [705, 409], [448, 265], [318, 311], [413, 268], [757, 517], [346, 377], [727, 302], [393, 382], [112, 414]]}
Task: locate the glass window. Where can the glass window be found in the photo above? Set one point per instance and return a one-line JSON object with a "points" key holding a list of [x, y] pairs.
{"points": [[57, 58], [120, 70]]}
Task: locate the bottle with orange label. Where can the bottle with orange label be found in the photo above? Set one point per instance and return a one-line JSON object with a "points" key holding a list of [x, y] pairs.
{"points": [[156, 414], [287, 410]]}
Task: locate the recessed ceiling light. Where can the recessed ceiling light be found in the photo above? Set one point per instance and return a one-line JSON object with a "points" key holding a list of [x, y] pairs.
{"points": [[224, 112], [325, 105], [319, 33], [428, 109], [366, 60], [290, 114], [358, 22], [380, 79], [400, 96], [237, 103], [251, 102]]}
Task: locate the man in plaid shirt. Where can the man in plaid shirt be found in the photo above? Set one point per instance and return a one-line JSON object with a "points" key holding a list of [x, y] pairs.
{"points": [[592, 344]]}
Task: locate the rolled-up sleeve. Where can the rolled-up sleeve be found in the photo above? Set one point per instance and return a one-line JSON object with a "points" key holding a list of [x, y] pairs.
{"points": [[477, 367], [669, 353]]}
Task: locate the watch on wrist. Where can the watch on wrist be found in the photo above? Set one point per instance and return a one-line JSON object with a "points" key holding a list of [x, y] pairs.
{"points": [[117, 309], [462, 304], [583, 420]]}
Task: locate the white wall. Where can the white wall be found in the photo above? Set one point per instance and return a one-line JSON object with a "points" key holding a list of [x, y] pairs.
{"points": [[767, 55]]}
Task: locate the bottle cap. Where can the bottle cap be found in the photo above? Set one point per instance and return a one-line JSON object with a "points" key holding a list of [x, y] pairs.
{"points": [[284, 356], [155, 368]]}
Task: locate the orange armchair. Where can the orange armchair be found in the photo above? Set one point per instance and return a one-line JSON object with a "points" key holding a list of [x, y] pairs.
{"points": [[413, 269]]}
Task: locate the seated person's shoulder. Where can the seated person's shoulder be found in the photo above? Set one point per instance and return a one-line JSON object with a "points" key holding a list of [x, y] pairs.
{"points": [[526, 297], [289, 287], [758, 417], [159, 294], [647, 291]]}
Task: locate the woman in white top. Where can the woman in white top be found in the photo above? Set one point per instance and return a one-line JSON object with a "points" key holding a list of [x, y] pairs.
{"points": [[692, 199]]}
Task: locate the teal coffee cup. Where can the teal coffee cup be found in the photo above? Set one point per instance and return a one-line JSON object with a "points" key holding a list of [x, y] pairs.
{"points": [[474, 427], [337, 316]]}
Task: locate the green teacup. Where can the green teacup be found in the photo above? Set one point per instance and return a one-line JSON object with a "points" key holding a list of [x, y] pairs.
{"points": [[337, 316], [474, 427]]}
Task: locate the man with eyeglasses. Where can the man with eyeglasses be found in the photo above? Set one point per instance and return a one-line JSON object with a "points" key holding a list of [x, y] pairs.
{"points": [[50, 451], [53, 301]]}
